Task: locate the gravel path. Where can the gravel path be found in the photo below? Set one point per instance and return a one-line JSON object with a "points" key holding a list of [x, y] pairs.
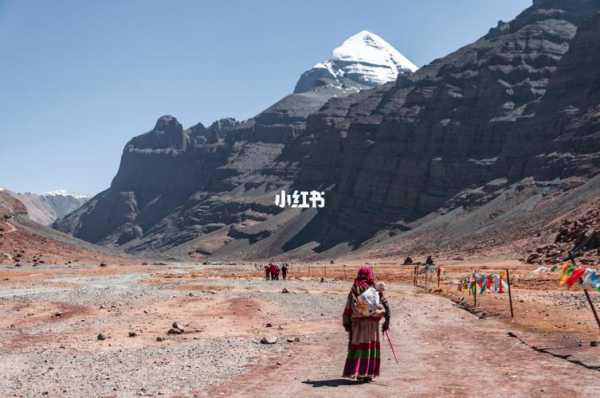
{"points": [[444, 352], [49, 342]]}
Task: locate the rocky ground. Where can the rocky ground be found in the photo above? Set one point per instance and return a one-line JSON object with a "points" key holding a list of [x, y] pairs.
{"points": [[578, 229], [186, 330]]}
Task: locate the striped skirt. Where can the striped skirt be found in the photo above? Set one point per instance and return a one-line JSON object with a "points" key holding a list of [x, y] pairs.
{"points": [[363, 349]]}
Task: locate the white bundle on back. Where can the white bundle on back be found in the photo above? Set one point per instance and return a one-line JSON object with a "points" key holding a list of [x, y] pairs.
{"points": [[368, 302]]}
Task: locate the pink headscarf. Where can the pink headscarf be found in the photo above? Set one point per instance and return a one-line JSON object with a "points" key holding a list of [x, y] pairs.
{"points": [[364, 278]]}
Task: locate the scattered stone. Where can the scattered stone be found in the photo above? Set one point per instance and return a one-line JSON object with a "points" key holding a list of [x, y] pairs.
{"points": [[101, 337], [269, 325], [132, 334], [293, 339], [175, 329], [159, 339], [103, 264], [594, 343], [268, 340], [284, 290]]}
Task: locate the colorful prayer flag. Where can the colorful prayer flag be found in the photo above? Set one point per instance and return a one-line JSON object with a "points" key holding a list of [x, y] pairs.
{"points": [[591, 279], [566, 272], [575, 276]]}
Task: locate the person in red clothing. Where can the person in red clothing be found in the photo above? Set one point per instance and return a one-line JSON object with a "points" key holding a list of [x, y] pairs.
{"points": [[274, 272], [364, 352]]}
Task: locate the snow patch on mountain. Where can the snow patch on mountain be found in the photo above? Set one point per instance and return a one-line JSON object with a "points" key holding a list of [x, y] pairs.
{"points": [[362, 61], [63, 192], [48, 207]]}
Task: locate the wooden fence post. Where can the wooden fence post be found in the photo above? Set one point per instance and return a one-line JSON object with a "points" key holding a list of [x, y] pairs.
{"points": [[439, 271], [475, 292], [587, 296], [416, 276], [512, 314]]}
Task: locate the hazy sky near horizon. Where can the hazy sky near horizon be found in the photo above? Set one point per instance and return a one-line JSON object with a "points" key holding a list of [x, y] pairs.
{"points": [[78, 79]]}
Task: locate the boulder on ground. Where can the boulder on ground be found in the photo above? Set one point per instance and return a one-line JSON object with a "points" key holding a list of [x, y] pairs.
{"points": [[175, 329], [268, 340]]}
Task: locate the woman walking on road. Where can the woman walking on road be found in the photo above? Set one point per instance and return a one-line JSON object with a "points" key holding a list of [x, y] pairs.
{"points": [[361, 321]]}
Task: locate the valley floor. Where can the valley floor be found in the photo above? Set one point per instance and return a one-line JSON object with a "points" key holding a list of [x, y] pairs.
{"points": [[51, 319]]}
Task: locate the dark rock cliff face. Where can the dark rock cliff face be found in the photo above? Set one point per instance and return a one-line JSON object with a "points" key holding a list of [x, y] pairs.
{"points": [[566, 125], [523, 101], [487, 111], [176, 184], [159, 171]]}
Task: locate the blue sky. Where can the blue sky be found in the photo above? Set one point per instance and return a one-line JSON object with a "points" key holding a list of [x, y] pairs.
{"points": [[79, 78]]}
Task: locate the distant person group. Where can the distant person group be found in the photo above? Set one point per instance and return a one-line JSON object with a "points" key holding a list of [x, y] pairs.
{"points": [[410, 261], [272, 271]]}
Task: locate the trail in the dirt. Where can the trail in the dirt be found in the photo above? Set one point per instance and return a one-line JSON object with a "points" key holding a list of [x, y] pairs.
{"points": [[12, 228], [444, 352]]}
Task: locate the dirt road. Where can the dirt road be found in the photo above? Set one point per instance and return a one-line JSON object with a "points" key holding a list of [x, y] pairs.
{"points": [[50, 318], [444, 352]]}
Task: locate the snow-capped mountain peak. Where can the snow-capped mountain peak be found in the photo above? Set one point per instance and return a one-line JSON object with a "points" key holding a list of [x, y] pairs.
{"points": [[363, 60], [369, 48]]}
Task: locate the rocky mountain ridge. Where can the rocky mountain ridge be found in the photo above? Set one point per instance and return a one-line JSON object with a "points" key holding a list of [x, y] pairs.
{"points": [[459, 133], [175, 184], [48, 207], [478, 115]]}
